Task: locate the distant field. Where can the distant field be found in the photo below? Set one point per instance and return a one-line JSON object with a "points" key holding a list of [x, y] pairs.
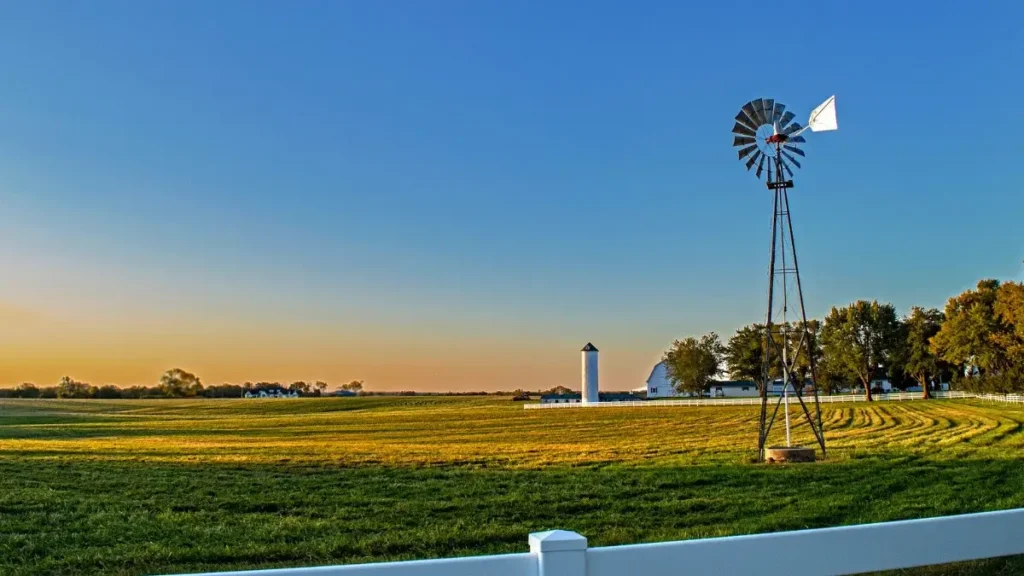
{"points": [[136, 487]]}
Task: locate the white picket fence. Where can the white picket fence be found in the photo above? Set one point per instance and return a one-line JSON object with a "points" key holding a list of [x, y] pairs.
{"points": [[839, 398], [820, 552], [1010, 398]]}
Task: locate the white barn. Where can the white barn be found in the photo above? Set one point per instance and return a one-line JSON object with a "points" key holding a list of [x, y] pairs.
{"points": [[658, 385]]}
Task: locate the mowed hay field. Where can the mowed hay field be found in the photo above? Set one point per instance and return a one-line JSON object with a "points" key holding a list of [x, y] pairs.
{"points": [[137, 487]]}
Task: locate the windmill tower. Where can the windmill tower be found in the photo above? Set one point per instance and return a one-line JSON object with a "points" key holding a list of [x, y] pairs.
{"points": [[767, 137]]}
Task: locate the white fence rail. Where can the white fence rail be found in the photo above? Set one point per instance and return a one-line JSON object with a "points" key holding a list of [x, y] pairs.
{"points": [[820, 552], [839, 398], [1010, 398]]}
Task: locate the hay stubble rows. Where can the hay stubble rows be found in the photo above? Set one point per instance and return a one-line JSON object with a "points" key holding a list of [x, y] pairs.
{"points": [[130, 487]]}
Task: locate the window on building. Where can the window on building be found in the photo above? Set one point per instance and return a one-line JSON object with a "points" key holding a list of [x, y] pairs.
{"points": [[654, 390], [746, 388]]}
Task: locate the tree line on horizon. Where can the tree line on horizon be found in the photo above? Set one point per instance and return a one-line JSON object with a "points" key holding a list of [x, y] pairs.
{"points": [[175, 383], [976, 344]]}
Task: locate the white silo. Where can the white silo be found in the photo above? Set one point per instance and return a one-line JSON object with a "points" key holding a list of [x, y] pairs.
{"points": [[590, 386]]}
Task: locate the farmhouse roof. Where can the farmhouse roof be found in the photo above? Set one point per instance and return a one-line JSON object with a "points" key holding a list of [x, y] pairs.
{"points": [[732, 383], [589, 348]]}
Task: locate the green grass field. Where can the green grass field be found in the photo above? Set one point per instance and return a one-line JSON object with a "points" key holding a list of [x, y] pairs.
{"points": [[136, 487]]}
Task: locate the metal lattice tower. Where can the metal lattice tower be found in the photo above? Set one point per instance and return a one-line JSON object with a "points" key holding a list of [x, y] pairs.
{"points": [[765, 132]]}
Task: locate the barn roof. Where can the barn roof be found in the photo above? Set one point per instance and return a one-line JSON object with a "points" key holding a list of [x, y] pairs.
{"points": [[589, 348]]}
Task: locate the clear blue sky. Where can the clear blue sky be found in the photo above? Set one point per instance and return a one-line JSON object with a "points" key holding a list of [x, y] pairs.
{"points": [[462, 194]]}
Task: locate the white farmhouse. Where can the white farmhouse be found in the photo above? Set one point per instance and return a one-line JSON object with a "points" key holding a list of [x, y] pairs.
{"points": [[733, 389]]}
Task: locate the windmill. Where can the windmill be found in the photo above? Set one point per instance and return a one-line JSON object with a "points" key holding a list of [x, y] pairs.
{"points": [[768, 138]]}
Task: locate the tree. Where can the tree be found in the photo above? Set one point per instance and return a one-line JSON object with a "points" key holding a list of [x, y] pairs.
{"points": [[809, 344], [744, 354], [177, 383], [691, 363], [70, 388], [970, 335], [108, 391], [353, 386], [861, 340], [1009, 309], [920, 361], [299, 387], [224, 390], [319, 386], [831, 378], [26, 390]]}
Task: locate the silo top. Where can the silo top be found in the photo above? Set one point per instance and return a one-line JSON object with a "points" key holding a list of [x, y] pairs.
{"points": [[589, 348]]}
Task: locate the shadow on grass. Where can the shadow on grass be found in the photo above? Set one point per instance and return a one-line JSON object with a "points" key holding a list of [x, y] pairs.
{"points": [[69, 517]]}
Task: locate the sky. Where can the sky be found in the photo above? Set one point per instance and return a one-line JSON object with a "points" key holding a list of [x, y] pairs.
{"points": [[460, 195]]}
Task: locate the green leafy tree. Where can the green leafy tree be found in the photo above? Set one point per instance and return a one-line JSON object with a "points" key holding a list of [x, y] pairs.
{"points": [[178, 383], [70, 388], [970, 336], [744, 354], [920, 361], [108, 391], [1009, 309], [27, 390], [300, 387], [861, 340], [691, 363], [353, 386], [319, 386], [832, 378], [802, 348]]}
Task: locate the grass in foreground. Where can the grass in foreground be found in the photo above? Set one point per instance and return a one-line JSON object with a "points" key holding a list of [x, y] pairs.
{"points": [[132, 487]]}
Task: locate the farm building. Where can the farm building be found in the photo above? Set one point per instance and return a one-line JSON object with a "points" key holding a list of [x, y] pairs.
{"points": [[658, 384], [271, 393], [573, 397], [568, 398], [733, 389]]}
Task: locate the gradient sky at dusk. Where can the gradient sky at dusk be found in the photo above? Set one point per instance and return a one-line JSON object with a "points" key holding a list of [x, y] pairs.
{"points": [[459, 195]]}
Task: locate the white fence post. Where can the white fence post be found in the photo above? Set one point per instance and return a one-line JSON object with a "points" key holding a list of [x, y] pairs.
{"points": [[559, 553]]}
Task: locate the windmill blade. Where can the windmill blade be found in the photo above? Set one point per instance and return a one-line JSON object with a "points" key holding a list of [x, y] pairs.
{"points": [[786, 119], [794, 150], [754, 158], [743, 120], [748, 110], [792, 128], [759, 166], [798, 139], [770, 177], [743, 129], [759, 112], [779, 109], [792, 160], [766, 110], [743, 140], [766, 105], [745, 151], [786, 166]]}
